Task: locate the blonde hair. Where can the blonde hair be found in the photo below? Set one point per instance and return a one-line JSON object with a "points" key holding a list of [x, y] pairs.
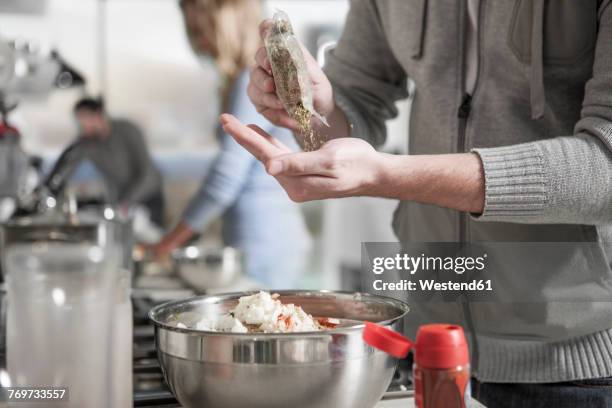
{"points": [[231, 29]]}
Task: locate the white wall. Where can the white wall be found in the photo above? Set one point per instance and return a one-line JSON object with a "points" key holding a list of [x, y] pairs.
{"points": [[153, 76]]}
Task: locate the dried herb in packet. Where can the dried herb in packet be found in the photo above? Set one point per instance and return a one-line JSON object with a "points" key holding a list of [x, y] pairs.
{"points": [[293, 85]]}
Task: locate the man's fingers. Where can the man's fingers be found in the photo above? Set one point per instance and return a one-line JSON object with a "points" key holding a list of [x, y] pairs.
{"points": [[258, 146], [264, 27], [262, 60], [270, 138], [276, 113], [261, 99], [280, 118], [263, 80], [271, 101], [299, 164], [254, 95]]}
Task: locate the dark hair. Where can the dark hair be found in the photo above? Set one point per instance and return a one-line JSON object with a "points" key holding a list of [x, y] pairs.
{"points": [[94, 105]]}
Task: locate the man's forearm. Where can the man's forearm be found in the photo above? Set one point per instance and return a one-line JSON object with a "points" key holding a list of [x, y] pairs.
{"points": [[451, 180], [338, 125], [350, 166]]}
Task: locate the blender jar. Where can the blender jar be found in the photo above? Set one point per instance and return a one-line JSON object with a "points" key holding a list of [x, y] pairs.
{"points": [[59, 323]]}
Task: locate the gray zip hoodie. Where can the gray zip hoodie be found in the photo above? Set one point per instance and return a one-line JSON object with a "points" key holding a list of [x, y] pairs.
{"points": [[540, 118]]}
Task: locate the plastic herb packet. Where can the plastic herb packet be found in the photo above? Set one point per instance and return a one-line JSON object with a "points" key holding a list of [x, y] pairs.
{"points": [[291, 78]]}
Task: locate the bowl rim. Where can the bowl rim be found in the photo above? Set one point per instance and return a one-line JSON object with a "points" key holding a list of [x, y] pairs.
{"points": [[403, 306], [182, 254]]}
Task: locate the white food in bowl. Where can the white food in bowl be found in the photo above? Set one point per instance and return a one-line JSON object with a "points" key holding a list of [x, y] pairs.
{"points": [[264, 313]]}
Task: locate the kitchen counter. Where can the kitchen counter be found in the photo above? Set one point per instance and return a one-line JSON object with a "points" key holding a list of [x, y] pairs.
{"points": [[409, 403], [397, 403]]}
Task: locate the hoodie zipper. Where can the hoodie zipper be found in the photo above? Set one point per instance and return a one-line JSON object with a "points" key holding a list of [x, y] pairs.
{"points": [[463, 113]]}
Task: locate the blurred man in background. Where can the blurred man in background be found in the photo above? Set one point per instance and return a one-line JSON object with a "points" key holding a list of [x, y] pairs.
{"points": [[118, 150]]}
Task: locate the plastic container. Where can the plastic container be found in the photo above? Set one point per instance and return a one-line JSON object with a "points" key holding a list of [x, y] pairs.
{"points": [[441, 369], [60, 310], [120, 245], [47, 260], [122, 343]]}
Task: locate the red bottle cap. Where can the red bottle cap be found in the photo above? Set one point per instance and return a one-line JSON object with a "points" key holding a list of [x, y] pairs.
{"points": [[438, 346], [387, 340], [441, 346]]}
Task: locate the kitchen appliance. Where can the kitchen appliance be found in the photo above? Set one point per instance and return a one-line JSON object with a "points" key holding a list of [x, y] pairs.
{"points": [[60, 309], [332, 368], [42, 237], [31, 72], [14, 164], [208, 268], [26, 72]]}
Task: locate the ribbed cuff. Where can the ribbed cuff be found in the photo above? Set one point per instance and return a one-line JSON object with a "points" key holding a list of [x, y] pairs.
{"points": [[516, 186], [508, 361]]}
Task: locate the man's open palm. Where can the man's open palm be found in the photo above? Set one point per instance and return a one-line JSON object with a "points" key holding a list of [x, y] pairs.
{"points": [[341, 168]]}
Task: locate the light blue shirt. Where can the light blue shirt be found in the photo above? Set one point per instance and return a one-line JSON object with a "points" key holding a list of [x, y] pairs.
{"points": [[258, 216]]}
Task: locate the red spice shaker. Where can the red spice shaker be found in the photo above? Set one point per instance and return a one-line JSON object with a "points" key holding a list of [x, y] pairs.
{"points": [[441, 369]]}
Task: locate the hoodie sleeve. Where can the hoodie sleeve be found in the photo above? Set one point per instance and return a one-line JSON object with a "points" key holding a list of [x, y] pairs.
{"points": [[567, 179], [366, 77]]}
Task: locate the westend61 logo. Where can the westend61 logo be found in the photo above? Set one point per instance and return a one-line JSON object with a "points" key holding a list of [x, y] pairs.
{"points": [[414, 264], [439, 273]]}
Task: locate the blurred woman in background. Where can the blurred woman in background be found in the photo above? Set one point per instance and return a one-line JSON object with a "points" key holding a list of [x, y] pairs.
{"points": [[258, 217]]}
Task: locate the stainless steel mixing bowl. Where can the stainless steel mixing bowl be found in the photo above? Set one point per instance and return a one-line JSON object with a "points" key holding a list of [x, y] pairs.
{"points": [[208, 268], [327, 369]]}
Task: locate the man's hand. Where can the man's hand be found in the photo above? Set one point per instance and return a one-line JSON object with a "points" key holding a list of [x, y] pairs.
{"points": [[350, 167], [341, 168], [262, 90]]}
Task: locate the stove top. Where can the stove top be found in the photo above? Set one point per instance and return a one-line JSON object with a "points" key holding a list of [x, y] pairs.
{"points": [[150, 389]]}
